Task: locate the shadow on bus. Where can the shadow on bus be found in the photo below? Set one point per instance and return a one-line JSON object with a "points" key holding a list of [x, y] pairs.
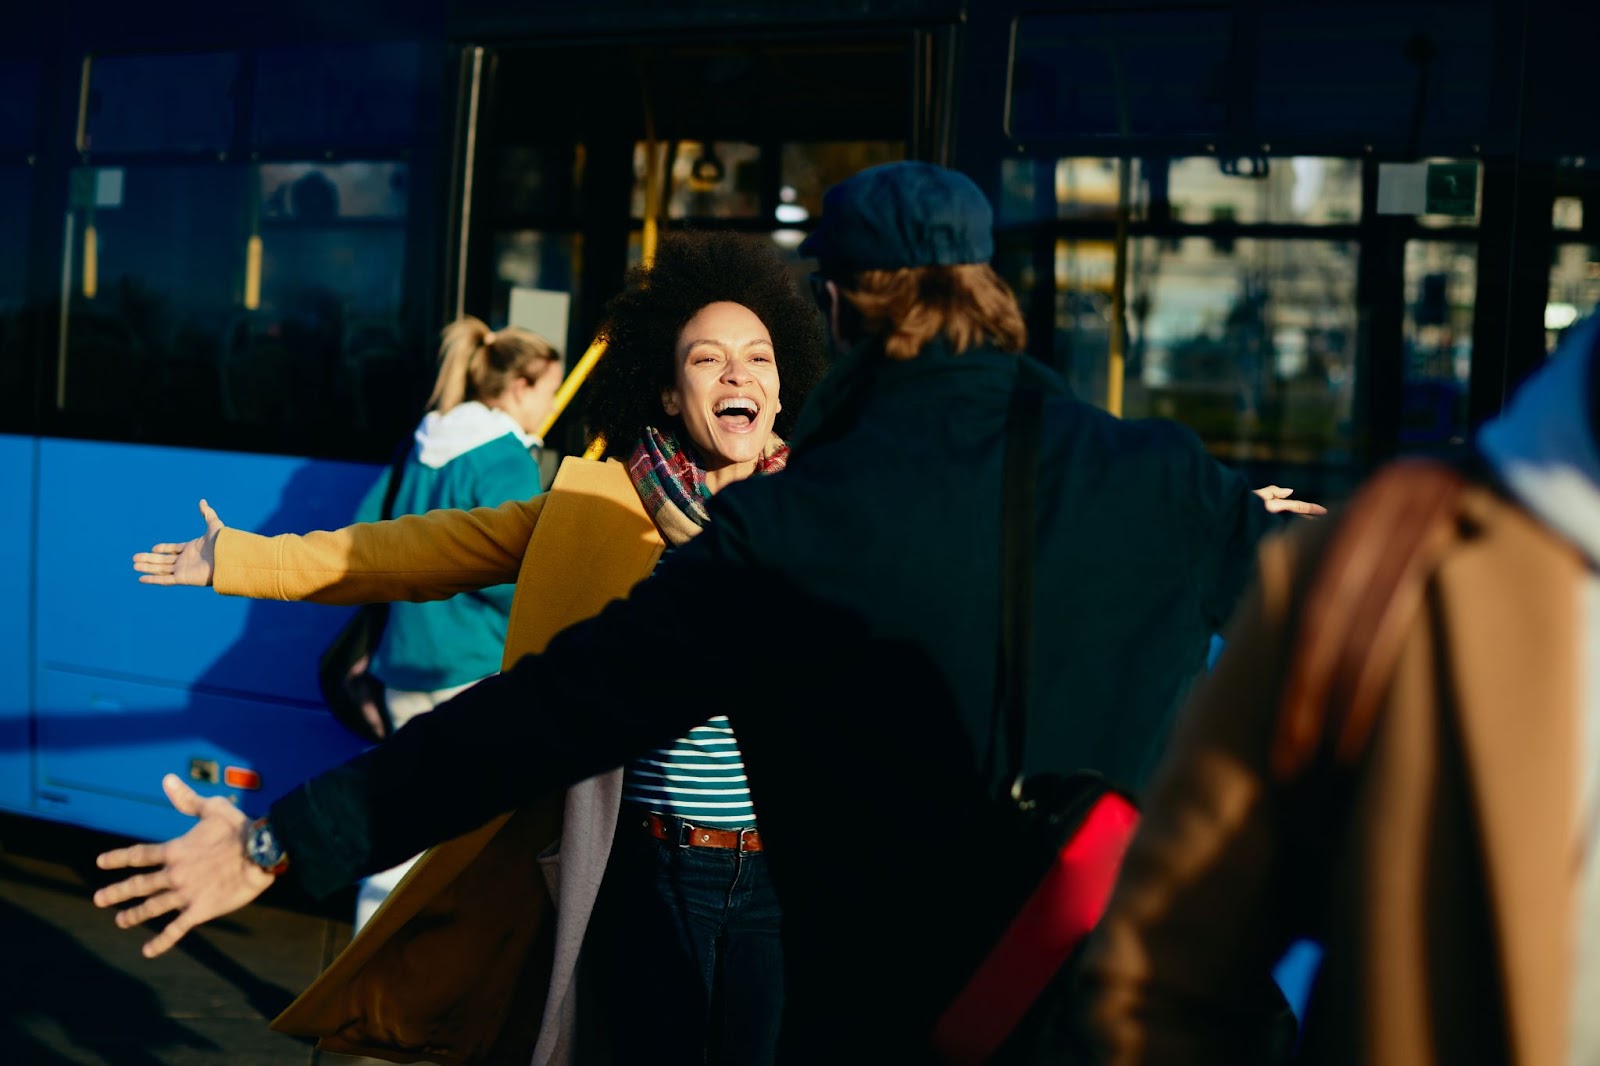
{"points": [[217, 690]]}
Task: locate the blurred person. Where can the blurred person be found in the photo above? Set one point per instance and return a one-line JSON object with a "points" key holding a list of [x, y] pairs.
{"points": [[1438, 837], [473, 448], [690, 397], [849, 610]]}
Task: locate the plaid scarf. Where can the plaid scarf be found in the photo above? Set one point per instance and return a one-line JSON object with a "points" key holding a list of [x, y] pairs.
{"points": [[671, 482]]}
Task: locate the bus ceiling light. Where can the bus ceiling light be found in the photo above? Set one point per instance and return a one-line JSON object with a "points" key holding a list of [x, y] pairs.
{"points": [[1559, 315], [708, 170]]}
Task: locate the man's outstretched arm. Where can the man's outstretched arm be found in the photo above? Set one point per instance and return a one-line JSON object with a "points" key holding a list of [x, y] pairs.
{"points": [[584, 706]]}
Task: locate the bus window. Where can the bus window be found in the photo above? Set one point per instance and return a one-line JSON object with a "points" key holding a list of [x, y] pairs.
{"points": [[709, 180], [171, 103], [16, 191], [1574, 289], [260, 306], [1138, 74], [1246, 334], [351, 97], [1320, 73], [1441, 284], [155, 265], [1298, 190], [327, 316], [19, 105], [1251, 345]]}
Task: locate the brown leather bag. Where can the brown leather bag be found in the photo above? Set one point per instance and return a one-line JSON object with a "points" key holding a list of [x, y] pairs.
{"points": [[1360, 605]]}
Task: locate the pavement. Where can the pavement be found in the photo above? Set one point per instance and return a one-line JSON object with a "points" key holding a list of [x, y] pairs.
{"points": [[74, 988]]}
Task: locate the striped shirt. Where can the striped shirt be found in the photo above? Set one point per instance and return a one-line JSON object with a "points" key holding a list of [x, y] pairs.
{"points": [[699, 778]]}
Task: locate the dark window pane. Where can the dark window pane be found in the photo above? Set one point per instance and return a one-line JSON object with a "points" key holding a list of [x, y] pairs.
{"points": [[537, 181], [1135, 74], [176, 103], [347, 97], [19, 105], [1321, 72], [156, 265], [174, 334], [16, 190]]}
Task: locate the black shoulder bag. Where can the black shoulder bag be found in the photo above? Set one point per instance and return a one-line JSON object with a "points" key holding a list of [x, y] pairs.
{"points": [[1071, 830], [351, 691]]}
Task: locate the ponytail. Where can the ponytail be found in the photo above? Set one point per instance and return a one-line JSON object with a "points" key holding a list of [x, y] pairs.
{"points": [[461, 346], [476, 364]]}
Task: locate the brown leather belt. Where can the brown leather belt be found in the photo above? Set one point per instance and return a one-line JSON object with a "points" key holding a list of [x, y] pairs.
{"points": [[681, 833]]}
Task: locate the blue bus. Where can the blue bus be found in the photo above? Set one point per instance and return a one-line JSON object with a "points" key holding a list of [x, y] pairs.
{"points": [[228, 240]]}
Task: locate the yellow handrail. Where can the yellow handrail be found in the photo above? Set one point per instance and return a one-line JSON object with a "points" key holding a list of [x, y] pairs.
{"points": [[91, 262], [1119, 281], [570, 385], [252, 273]]}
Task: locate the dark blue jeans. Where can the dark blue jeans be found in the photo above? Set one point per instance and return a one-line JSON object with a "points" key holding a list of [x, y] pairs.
{"points": [[684, 958]]}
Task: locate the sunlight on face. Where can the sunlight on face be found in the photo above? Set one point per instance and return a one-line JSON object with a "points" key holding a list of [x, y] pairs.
{"points": [[725, 389]]}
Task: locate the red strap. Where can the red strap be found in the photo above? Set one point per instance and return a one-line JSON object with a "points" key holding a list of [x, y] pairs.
{"points": [[1040, 939]]}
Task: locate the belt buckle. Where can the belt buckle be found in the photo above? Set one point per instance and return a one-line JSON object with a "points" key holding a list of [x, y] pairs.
{"points": [[742, 833], [685, 831]]}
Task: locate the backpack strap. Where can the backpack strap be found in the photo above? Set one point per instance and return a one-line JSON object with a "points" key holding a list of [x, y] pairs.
{"points": [[1359, 608], [1017, 535]]}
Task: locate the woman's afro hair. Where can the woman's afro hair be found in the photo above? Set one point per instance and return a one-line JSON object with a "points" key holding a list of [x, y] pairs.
{"points": [[642, 323]]}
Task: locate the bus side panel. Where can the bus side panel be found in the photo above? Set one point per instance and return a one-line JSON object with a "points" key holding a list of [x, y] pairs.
{"points": [[137, 680], [17, 455], [105, 742]]}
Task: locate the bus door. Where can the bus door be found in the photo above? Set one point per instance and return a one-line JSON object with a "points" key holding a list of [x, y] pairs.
{"points": [[576, 152]]}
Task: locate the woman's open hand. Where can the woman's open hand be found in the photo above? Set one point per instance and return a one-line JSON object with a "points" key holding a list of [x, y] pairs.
{"points": [[189, 563]]}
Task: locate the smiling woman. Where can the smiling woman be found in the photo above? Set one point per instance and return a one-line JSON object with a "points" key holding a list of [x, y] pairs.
{"points": [[709, 350], [726, 390]]}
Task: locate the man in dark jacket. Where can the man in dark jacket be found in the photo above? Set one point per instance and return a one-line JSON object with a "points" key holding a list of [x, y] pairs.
{"points": [[855, 603]]}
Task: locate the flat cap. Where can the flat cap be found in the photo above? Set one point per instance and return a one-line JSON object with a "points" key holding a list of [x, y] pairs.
{"points": [[901, 215]]}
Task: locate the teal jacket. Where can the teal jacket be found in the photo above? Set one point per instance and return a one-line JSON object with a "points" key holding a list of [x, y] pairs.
{"points": [[474, 456]]}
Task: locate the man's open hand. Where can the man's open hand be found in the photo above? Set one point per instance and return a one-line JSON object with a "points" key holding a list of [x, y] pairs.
{"points": [[201, 875]]}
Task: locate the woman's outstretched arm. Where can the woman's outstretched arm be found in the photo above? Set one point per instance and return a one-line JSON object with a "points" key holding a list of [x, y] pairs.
{"points": [[431, 556]]}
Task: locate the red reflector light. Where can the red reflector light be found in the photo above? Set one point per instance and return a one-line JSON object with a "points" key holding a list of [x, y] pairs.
{"points": [[239, 777]]}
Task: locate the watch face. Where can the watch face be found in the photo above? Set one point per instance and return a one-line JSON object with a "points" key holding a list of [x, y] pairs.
{"points": [[262, 845]]}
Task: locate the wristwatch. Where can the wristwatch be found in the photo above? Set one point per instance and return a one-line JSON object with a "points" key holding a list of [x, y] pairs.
{"points": [[261, 844]]}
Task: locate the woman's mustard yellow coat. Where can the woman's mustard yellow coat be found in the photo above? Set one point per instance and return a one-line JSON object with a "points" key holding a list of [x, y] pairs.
{"points": [[466, 961]]}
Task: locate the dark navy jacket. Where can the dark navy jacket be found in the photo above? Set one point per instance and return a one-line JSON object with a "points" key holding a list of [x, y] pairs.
{"points": [[844, 616]]}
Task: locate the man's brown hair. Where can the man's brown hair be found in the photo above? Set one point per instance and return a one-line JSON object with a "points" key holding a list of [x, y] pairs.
{"points": [[968, 304]]}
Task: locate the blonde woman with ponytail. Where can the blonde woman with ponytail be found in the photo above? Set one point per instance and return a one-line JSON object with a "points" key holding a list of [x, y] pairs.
{"points": [[473, 449]]}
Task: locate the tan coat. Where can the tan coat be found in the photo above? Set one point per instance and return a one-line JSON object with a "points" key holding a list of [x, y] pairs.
{"points": [[1439, 873], [468, 960]]}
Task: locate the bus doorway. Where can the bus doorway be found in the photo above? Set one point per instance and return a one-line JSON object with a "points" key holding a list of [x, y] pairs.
{"points": [[574, 153]]}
